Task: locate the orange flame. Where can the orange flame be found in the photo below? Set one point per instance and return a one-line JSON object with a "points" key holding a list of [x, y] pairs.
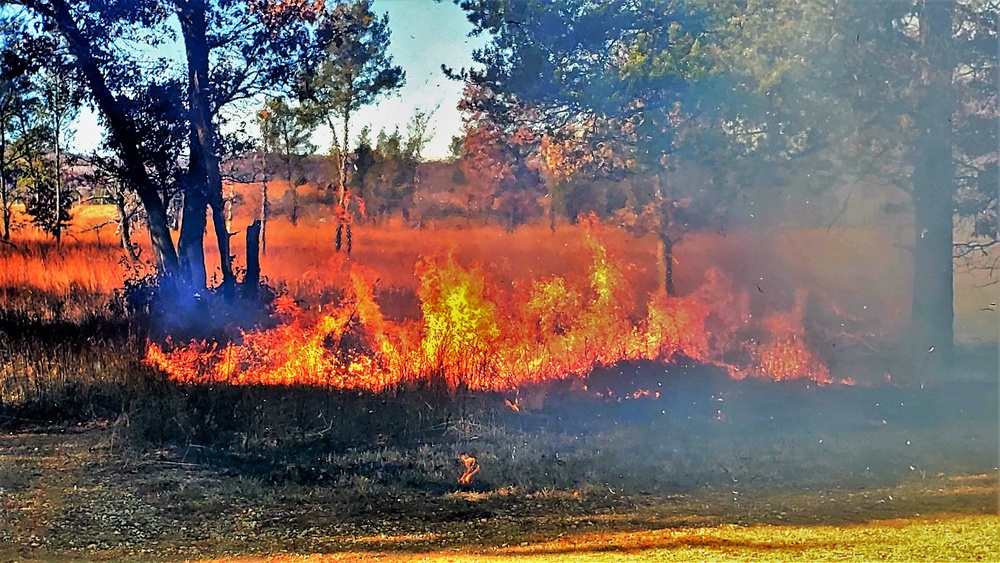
{"points": [[471, 469], [485, 335]]}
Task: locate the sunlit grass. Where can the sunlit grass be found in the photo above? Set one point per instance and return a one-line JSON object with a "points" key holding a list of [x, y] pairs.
{"points": [[941, 538], [857, 271]]}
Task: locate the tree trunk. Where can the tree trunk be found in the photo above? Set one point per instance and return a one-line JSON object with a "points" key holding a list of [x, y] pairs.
{"points": [[252, 279], [123, 136], [343, 215], [667, 258], [205, 162], [343, 157], [933, 313], [57, 228], [664, 234], [4, 204], [290, 176], [125, 229], [191, 244], [265, 207]]}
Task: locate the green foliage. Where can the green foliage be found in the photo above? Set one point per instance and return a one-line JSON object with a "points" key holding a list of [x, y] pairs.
{"points": [[40, 199], [356, 68], [154, 108], [623, 84], [18, 135], [385, 176], [354, 71], [286, 131]]}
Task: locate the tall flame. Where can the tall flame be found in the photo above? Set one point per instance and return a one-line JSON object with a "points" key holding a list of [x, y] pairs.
{"points": [[474, 333]]}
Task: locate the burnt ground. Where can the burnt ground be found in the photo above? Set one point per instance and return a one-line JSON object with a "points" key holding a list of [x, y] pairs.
{"points": [[709, 453]]}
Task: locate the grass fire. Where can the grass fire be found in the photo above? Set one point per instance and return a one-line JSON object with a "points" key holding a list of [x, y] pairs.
{"points": [[479, 281]]}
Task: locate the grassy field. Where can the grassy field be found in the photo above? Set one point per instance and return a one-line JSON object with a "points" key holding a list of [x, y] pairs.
{"points": [[103, 458], [827, 478], [858, 270]]}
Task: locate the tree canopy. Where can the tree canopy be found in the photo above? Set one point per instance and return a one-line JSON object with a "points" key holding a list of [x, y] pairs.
{"points": [[760, 95]]}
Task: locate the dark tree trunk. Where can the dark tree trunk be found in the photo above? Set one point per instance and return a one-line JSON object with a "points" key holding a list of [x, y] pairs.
{"points": [[252, 279], [191, 244], [290, 176], [933, 313], [667, 250], [664, 234], [123, 135], [57, 228], [4, 207], [205, 162]]}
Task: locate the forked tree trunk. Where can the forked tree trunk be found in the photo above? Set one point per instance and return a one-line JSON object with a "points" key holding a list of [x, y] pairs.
{"points": [[125, 229], [205, 162], [933, 312]]}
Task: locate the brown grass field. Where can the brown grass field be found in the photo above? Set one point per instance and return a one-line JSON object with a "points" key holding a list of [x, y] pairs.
{"points": [[856, 269], [136, 468]]}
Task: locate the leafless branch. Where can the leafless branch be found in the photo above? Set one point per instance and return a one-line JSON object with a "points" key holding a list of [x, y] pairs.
{"points": [[963, 249]]}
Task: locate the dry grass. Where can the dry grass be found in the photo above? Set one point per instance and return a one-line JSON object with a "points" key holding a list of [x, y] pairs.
{"points": [[70, 496], [942, 538], [71, 282], [328, 477], [856, 270]]}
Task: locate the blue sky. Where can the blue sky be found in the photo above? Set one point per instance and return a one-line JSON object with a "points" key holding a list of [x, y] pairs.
{"points": [[425, 35]]}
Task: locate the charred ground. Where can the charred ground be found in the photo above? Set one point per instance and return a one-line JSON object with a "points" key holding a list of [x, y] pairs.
{"points": [[272, 471]]}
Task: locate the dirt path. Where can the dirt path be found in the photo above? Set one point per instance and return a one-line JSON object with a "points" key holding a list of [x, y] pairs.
{"points": [[68, 496]]}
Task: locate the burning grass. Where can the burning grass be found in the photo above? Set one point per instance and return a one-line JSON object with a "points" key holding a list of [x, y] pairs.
{"points": [[591, 415], [480, 333]]}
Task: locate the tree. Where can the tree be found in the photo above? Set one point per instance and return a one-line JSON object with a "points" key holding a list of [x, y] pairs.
{"points": [[38, 183], [354, 72], [59, 97], [286, 132], [900, 92], [24, 135], [103, 176], [385, 176], [233, 50], [19, 133], [619, 72], [495, 159]]}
